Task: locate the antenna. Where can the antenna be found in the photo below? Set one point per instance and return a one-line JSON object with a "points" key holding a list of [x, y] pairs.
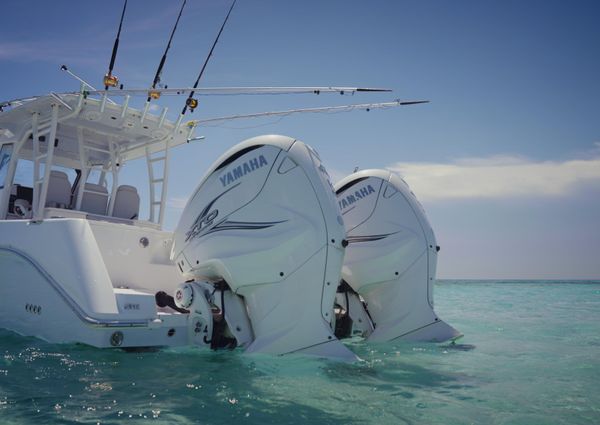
{"points": [[191, 102], [84, 84], [156, 94], [109, 79]]}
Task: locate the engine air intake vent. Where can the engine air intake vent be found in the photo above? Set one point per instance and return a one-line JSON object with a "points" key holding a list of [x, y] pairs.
{"points": [[349, 185], [237, 155]]}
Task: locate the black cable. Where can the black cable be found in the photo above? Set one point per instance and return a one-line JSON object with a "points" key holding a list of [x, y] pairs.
{"points": [[219, 340], [190, 97], [164, 57], [223, 304], [347, 304]]}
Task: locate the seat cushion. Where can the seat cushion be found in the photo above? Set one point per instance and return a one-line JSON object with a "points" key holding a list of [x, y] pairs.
{"points": [[95, 199], [59, 190], [127, 202]]}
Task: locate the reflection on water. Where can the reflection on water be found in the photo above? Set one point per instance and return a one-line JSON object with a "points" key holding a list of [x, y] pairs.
{"points": [[458, 347]]}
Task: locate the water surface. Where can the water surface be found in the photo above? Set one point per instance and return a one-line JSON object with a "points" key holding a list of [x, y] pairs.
{"points": [[530, 355]]}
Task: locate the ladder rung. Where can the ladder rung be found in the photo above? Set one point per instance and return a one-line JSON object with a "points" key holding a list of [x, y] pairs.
{"points": [[156, 203], [158, 180], [160, 158], [42, 156]]}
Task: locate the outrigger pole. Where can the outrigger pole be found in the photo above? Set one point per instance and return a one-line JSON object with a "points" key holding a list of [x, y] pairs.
{"points": [[206, 91], [332, 109], [234, 91]]}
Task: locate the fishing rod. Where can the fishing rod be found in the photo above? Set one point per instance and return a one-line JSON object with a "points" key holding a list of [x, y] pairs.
{"points": [[154, 94], [109, 79], [190, 101]]}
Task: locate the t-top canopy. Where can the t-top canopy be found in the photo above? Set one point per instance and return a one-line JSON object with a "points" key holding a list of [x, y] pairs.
{"points": [[103, 129]]}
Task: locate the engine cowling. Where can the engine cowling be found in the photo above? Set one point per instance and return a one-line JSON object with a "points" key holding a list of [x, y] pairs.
{"points": [[264, 219], [391, 259]]}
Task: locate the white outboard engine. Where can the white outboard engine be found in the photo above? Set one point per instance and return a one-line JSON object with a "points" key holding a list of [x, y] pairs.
{"points": [[390, 263], [260, 243]]}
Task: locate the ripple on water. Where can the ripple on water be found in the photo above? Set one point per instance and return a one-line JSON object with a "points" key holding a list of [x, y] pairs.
{"points": [[524, 359]]}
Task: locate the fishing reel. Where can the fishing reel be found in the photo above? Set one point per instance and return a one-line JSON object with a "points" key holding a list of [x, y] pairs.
{"points": [[111, 80], [154, 94], [191, 103]]}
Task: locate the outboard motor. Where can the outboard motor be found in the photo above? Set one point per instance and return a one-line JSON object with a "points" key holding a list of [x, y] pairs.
{"points": [[260, 243], [390, 263]]}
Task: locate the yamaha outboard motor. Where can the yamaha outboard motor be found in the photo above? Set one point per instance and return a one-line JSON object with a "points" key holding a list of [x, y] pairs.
{"points": [[390, 263], [260, 244]]}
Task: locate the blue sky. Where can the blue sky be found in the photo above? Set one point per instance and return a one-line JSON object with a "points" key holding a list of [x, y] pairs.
{"points": [[506, 158]]}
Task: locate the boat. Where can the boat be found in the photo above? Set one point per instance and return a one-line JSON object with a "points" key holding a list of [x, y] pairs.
{"points": [[265, 256], [249, 265], [79, 265]]}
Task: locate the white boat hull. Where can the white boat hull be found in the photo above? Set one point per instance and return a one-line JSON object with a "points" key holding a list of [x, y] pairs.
{"points": [[57, 287]]}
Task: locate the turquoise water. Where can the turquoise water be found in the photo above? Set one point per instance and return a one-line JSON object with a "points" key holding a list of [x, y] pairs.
{"points": [[530, 355]]}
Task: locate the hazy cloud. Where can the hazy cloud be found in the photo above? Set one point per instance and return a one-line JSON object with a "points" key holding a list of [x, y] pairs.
{"points": [[496, 177]]}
